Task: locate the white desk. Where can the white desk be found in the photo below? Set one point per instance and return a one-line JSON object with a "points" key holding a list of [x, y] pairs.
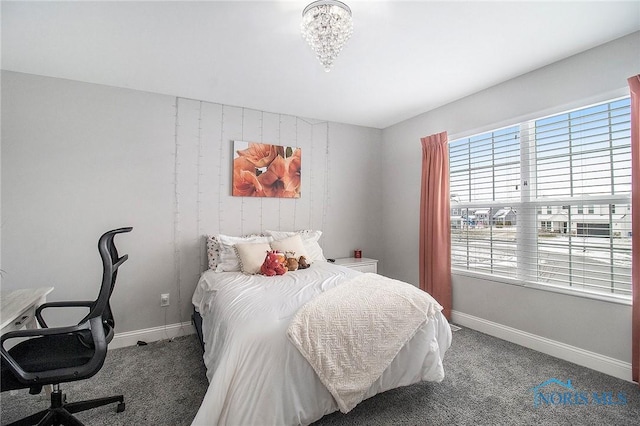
{"points": [[18, 307]]}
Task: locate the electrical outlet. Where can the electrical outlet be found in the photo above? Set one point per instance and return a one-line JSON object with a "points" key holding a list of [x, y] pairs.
{"points": [[164, 299]]}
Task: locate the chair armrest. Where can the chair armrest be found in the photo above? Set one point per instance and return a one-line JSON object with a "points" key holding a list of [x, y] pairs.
{"points": [[13, 365], [42, 377], [33, 332], [62, 304]]}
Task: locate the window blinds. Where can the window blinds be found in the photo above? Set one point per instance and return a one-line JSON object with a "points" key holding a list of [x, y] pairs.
{"points": [[547, 201]]}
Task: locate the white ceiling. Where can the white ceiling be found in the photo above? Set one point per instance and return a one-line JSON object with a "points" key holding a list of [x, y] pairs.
{"points": [[404, 58]]}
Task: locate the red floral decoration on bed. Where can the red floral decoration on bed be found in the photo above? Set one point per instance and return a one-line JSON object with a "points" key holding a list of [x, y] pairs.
{"points": [[274, 264]]}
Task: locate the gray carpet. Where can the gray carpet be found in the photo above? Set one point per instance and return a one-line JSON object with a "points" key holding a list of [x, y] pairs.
{"points": [[488, 382]]}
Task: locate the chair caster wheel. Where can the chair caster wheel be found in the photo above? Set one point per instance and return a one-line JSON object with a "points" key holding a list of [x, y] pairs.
{"points": [[120, 407]]}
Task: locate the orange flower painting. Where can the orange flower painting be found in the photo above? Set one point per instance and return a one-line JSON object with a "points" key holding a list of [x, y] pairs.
{"points": [[264, 170]]}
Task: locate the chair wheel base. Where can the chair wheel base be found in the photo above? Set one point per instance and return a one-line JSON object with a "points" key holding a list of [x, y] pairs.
{"points": [[61, 413]]}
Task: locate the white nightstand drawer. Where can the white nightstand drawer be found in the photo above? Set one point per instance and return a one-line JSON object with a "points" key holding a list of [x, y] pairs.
{"points": [[363, 264]]}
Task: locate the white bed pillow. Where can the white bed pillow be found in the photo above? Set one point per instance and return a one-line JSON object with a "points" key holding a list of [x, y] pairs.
{"points": [[251, 256], [309, 240], [228, 260], [292, 244]]}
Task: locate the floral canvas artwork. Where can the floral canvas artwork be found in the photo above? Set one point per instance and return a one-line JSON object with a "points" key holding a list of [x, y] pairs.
{"points": [[264, 170]]}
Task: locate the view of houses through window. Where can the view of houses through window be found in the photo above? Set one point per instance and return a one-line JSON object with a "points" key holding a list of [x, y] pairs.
{"points": [[547, 201]]}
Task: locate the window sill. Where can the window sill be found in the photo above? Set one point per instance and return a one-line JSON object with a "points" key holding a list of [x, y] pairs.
{"points": [[620, 300]]}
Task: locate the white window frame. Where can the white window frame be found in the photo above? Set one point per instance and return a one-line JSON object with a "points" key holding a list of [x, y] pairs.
{"points": [[527, 229]]}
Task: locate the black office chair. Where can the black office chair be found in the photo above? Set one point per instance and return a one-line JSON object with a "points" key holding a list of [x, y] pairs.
{"points": [[64, 354]]}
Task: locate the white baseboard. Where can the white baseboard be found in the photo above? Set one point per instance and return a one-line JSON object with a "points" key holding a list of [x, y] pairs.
{"points": [[130, 338], [595, 361]]}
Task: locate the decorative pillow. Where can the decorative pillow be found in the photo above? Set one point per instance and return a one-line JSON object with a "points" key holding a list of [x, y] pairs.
{"points": [[291, 244], [213, 250], [309, 239], [251, 256], [227, 258]]}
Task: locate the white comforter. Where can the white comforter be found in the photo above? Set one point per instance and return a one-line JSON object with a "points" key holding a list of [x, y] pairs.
{"points": [[257, 376]]}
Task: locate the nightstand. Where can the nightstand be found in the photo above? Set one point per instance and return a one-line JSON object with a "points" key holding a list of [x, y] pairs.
{"points": [[363, 264]]}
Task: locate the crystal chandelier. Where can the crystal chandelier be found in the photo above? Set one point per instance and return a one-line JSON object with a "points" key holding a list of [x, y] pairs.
{"points": [[326, 25]]}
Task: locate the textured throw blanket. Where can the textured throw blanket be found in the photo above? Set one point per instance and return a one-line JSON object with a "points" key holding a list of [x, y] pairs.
{"points": [[351, 333]]}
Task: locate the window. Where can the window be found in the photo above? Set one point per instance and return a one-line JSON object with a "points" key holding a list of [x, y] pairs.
{"points": [[525, 190]]}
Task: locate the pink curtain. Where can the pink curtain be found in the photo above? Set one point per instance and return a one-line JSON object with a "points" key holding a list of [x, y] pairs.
{"points": [[435, 221], [634, 87]]}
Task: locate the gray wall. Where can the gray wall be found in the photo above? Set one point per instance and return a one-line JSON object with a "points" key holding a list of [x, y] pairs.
{"points": [[78, 159], [595, 75]]}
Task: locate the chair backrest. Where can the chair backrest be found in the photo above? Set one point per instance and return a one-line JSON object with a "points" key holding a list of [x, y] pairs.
{"points": [[110, 264]]}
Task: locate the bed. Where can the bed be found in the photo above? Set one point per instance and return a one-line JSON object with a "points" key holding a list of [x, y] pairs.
{"points": [[261, 359]]}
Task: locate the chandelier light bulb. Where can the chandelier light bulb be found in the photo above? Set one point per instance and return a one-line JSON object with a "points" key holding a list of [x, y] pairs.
{"points": [[326, 26]]}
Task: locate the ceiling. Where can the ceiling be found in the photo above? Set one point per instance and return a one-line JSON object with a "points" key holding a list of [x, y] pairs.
{"points": [[404, 58]]}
